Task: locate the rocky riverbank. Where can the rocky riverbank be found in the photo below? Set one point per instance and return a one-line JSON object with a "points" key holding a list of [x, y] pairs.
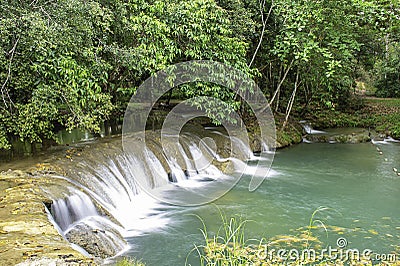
{"points": [[26, 232], [339, 135], [368, 118], [380, 115]]}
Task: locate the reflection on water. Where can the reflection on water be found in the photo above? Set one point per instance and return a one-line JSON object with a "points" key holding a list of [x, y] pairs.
{"points": [[24, 149], [21, 149]]}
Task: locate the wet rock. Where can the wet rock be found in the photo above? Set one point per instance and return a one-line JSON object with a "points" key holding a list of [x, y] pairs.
{"points": [[46, 262], [345, 135], [102, 242], [26, 233]]}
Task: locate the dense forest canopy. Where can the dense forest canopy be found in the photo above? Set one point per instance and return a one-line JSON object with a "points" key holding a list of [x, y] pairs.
{"points": [[75, 63]]}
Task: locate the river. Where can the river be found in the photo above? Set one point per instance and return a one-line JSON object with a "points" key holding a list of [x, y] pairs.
{"points": [[355, 187], [354, 182]]}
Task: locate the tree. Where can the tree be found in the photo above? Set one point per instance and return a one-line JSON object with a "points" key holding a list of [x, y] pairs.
{"points": [[74, 63], [388, 72], [310, 49]]}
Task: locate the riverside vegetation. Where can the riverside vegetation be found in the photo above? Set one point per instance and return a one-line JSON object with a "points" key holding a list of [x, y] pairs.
{"points": [[229, 246], [75, 64], [382, 115]]}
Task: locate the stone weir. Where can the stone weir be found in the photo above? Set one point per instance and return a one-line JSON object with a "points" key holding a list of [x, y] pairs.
{"points": [[80, 207]]}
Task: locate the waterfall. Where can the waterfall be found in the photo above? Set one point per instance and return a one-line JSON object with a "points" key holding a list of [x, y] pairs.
{"points": [[309, 130], [386, 140], [107, 197], [73, 208]]}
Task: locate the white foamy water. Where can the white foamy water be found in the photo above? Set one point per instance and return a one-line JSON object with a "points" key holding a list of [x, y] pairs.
{"points": [[309, 130], [110, 182]]}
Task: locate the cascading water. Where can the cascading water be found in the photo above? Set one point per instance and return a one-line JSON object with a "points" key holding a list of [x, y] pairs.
{"points": [[106, 199], [308, 128], [386, 140], [73, 208]]}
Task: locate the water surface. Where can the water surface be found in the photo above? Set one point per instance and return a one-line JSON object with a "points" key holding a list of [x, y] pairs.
{"points": [[354, 181]]}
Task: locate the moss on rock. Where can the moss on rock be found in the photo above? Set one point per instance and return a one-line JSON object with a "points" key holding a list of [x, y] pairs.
{"points": [[26, 233]]}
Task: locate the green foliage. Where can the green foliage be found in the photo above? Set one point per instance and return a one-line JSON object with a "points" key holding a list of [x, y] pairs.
{"points": [[229, 246], [75, 63], [4, 144], [73, 90], [389, 124], [386, 117], [129, 262], [382, 115], [50, 72], [388, 71], [380, 30]]}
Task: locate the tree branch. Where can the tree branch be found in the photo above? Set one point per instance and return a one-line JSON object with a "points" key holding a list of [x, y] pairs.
{"points": [[264, 24], [291, 100], [281, 82], [4, 91], [277, 90]]}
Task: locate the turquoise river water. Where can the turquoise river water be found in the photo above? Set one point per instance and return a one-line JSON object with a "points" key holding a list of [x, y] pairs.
{"points": [[356, 184]]}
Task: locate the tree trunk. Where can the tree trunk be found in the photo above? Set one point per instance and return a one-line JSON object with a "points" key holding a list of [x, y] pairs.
{"points": [[291, 100]]}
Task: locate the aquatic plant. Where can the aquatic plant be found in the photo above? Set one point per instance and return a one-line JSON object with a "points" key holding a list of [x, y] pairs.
{"points": [[129, 262], [229, 247]]}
